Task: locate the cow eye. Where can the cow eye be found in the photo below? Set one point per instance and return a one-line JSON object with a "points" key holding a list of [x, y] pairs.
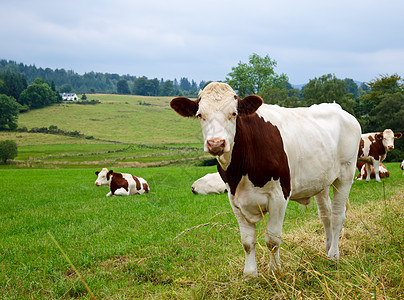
{"points": [[234, 114], [199, 115]]}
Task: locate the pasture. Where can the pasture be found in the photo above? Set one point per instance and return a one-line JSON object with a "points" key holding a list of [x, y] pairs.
{"points": [[58, 230]]}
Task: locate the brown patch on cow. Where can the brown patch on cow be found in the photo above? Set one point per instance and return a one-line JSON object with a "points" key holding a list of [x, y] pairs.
{"points": [[146, 187], [359, 165], [376, 149], [371, 138], [361, 145], [259, 153], [247, 248], [383, 174], [118, 182], [138, 186]]}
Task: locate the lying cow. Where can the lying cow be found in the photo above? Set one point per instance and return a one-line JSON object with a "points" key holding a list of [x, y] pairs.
{"points": [[121, 184], [383, 172], [373, 149], [209, 184], [268, 155]]}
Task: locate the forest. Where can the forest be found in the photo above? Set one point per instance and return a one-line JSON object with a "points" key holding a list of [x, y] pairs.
{"points": [[95, 82]]}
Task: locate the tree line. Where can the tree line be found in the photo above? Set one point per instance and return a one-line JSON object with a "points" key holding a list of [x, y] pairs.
{"points": [[95, 82]]}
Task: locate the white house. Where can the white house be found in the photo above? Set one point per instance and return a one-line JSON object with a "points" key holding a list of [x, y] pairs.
{"points": [[69, 96]]}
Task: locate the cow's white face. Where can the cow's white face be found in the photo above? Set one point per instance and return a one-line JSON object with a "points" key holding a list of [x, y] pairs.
{"points": [[217, 113], [217, 109], [104, 177], [388, 137]]}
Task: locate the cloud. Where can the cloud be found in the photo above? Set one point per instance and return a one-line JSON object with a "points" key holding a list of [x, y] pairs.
{"points": [[202, 40]]}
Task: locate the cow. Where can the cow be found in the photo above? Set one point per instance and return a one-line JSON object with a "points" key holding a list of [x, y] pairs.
{"points": [[362, 175], [268, 155], [211, 183], [402, 166], [373, 149], [121, 184]]}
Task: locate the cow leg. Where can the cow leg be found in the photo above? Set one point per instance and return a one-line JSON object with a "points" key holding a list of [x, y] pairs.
{"points": [[121, 192], [249, 240], [376, 164], [273, 234], [324, 211], [109, 194], [341, 192], [368, 171]]}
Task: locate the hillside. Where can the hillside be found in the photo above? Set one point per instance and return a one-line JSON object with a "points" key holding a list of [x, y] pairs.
{"points": [[129, 130]]}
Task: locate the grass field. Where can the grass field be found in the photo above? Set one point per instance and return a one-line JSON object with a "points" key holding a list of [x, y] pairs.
{"points": [[59, 233], [132, 247]]}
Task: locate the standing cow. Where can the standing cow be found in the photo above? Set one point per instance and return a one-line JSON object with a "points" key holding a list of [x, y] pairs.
{"points": [[121, 184], [268, 155], [373, 149]]}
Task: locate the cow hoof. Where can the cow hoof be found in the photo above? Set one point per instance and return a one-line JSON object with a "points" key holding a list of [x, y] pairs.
{"points": [[250, 276]]}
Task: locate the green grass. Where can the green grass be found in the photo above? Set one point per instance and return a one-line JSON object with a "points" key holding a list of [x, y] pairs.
{"points": [[132, 247], [119, 118]]}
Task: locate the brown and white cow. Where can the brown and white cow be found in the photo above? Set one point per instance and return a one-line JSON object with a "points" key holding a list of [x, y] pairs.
{"points": [[373, 149], [121, 184], [268, 155], [363, 171], [211, 183]]}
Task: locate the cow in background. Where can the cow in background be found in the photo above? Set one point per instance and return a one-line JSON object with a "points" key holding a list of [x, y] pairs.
{"points": [[268, 155], [121, 184], [209, 184], [402, 166], [373, 149], [363, 170]]}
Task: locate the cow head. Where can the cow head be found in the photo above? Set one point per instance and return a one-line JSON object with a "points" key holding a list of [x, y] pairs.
{"points": [[217, 108], [104, 177], [387, 137]]}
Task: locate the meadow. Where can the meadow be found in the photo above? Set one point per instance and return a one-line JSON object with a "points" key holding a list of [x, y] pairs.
{"points": [[61, 238]]}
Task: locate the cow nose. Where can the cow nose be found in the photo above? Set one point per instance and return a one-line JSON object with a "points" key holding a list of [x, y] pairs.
{"points": [[215, 146], [391, 147], [193, 190], [96, 183]]}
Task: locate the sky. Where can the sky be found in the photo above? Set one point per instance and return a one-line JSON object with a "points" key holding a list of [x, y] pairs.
{"points": [[205, 39]]}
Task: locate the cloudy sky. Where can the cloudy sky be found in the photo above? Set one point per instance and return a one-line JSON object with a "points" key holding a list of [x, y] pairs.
{"points": [[204, 39]]}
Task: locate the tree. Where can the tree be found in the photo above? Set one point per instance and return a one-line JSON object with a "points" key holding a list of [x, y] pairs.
{"points": [[8, 112], [14, 83], [252, 77], [168, 88], [327, 89], [8, 150], [369, 104], [122, 87], [38, 94]]}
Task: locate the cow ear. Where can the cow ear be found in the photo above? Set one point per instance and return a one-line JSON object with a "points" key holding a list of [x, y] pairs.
{"points": [[379, 135], [97, 172], [248, 105], [398, 135], [184, 106], [110, 172]]}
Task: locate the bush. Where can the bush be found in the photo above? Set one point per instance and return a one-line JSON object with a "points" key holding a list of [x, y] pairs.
{"points": [[8, 150]]}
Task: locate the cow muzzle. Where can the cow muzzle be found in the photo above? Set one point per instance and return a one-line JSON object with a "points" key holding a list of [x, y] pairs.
{"points": [[216, 146], [390, 147], [96, 183]]}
